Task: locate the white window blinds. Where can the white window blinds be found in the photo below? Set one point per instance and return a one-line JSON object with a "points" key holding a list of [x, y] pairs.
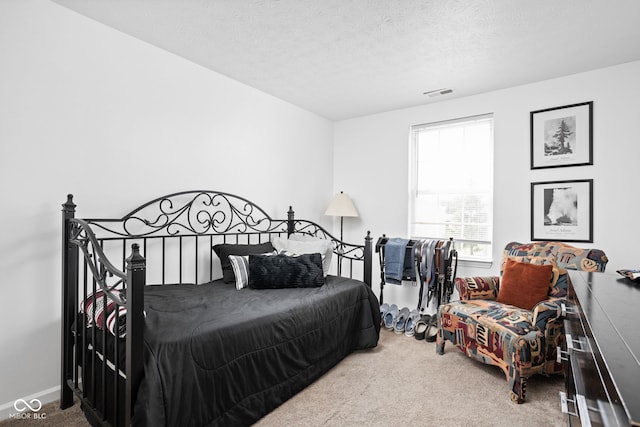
{"points": [[452, 184]]}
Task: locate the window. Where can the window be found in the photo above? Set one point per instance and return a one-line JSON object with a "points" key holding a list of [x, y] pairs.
{"points": [[452, 184]]}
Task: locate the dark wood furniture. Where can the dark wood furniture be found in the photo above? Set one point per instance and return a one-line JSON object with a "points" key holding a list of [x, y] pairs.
{"points": [[602, 354]]}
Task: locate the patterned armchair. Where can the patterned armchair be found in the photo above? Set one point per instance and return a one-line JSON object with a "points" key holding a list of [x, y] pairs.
{"points": [[521, 341]]}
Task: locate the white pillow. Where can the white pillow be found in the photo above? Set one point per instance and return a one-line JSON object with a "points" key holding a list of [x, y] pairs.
{"points": [[302, 244]]}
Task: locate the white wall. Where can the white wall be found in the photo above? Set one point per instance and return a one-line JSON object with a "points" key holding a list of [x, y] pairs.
{"points": [[375, 150], [87, 110], [138, 122]]}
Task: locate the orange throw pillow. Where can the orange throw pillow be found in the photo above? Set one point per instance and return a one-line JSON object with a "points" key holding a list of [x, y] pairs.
{"points": [[524, 285]]}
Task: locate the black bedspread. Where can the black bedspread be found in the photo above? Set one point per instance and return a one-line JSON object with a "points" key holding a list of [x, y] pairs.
{"points": [[218, 356]]}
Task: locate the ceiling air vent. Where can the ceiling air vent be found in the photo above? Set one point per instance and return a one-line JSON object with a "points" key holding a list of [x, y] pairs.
{"points": [[438, 92]]}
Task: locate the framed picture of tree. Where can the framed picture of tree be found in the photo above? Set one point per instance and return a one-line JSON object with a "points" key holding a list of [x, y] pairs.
{"points": [[562, 136]]}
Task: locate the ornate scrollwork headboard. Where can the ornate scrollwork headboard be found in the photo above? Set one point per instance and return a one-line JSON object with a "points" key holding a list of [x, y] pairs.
{"points": [[193, 213], [199, 219]]}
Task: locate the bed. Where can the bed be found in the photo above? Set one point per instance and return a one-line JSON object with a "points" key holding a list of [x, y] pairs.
{"points": [[152, 335]]}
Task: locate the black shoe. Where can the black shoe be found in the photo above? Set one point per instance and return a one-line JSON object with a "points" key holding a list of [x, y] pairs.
{"points": [[421, 327], [432, 329]]}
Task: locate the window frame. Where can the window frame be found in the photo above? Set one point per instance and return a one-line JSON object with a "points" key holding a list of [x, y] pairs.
{"points": [[413, 184]]}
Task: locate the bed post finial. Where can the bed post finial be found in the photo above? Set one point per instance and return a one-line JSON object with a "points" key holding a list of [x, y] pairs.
{"points": [[290, 222], [136, 260], [69, 207]]}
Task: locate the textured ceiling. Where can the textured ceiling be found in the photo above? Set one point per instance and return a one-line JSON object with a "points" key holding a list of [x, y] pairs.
{"points": [[343, 59]]}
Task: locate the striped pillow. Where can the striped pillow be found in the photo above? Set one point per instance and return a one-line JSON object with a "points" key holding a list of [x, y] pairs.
{"points": [[97, 313], [121, 313], [240, 266]]}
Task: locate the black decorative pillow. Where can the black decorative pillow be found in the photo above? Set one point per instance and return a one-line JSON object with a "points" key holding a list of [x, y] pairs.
{"points": [[281, 271], [224, 250]]}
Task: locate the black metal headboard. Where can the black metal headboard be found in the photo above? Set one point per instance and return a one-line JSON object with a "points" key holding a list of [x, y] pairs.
{"points": [[189, 223]]}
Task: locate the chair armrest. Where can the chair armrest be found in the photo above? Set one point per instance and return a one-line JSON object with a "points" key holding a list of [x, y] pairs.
{"points": [[548, 320], [546, 312], [471, 288]]}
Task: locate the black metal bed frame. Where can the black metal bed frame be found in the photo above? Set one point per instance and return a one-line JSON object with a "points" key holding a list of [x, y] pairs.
{"points": [[182, 225]]}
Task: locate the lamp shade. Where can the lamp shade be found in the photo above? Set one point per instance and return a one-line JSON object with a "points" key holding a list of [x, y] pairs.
{"points": [[341, 205]]}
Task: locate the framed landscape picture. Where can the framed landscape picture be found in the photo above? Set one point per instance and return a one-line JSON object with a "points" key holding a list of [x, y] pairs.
{"points": [[562, 211], [562, 136]]}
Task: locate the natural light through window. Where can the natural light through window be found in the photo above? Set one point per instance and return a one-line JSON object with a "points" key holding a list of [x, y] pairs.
{"points": [[452, 184]]}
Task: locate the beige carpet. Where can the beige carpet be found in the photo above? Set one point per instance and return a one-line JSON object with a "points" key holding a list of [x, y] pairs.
{"points": [[50, 415], [402, 381]]}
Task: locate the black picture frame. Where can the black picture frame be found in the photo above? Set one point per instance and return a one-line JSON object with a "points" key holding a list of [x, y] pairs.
{"points": [[562, 211], [562, 136]]}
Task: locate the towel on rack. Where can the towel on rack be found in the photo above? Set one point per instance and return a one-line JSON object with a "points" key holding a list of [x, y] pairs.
{"points": [[394, 253]]}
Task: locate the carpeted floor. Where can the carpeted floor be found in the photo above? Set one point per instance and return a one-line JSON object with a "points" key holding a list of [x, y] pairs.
{"points": [[401, 381], [404, 381], [50, 415]]}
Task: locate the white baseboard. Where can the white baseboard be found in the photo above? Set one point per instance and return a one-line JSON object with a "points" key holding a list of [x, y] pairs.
{"points": [[45, 396]]}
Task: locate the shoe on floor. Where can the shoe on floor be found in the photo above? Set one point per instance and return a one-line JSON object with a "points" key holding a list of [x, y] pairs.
{"points": [[432, 330], [390, 317], [421, 327], [384, 308], [410, 326], [401, 321]]}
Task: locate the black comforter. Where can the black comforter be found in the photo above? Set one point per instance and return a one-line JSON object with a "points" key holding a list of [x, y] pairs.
{"points": [[218, 356]]}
